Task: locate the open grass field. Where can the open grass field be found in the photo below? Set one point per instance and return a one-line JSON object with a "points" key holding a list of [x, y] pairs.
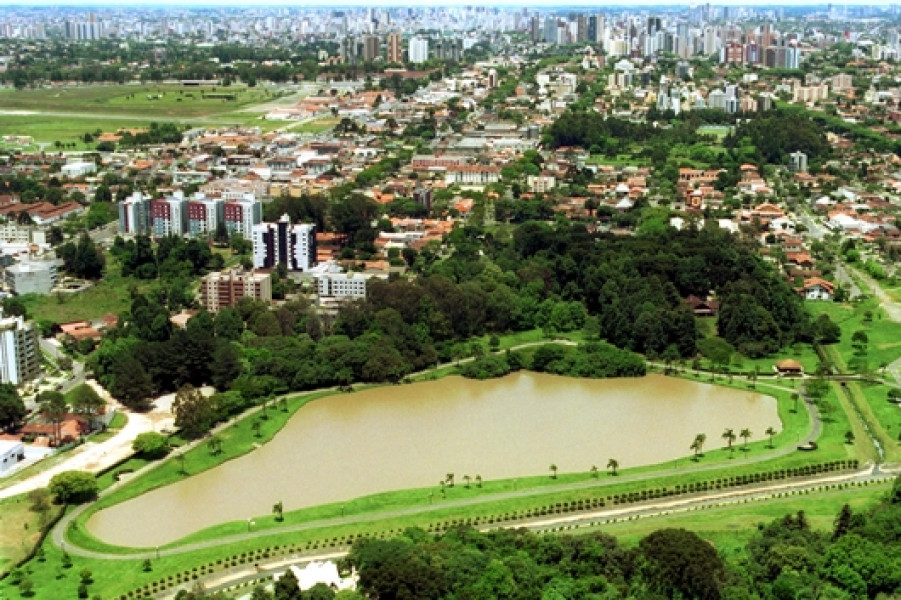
{"points": [[20, 529], [65, 114], [152, 101], [730, 527]]}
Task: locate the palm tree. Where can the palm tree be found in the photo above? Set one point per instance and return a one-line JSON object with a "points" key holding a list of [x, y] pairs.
{"points": [[770, 432], [467, 479], [698, 444], [613, 465], [449, 478], [553, 469], [745, 434], [594, 471], [278, 509], [478, 481], [729, 436]]}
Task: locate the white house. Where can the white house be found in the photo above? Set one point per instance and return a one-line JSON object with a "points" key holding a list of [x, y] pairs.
{"points": [[817, 289], [321, 572], [11, 453]]}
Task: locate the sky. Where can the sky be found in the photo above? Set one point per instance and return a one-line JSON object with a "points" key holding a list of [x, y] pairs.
{"points": [[423, 3]]}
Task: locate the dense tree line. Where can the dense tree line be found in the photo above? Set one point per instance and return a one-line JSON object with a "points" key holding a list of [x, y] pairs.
{"points": [[626, 290], [785, 560], [776, 134]]}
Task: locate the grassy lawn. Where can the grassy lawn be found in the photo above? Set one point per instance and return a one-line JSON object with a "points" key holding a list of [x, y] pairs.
{"points": [[119, 421], [62, 129], [730, 527], [240, 438], [156, 101], [110, 295], [20, 529], [124, 575], [887, 414]]}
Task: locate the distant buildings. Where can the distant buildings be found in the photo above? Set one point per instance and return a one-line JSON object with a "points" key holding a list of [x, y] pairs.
{"points": [[197, 217], [418, 50], [284, 243], [20, 354], [220, 290], [345, 285]]}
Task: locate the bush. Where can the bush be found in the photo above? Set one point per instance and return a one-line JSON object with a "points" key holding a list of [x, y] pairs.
{"points": [[151, 445], [73, 487]]}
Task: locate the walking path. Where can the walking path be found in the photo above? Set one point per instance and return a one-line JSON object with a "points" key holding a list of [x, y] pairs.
{"points": [[58, 533], [92, 457], [652, 508]]}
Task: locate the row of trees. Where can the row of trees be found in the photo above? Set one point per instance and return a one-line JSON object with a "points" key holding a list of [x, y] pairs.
{"points": [[785, 559]]}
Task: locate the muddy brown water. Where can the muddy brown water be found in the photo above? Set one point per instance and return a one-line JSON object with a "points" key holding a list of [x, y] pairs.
{"points": [[409, 436]]}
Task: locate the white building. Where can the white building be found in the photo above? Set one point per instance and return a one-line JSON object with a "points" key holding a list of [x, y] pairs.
{"points": [[419, 50], [134, 215], [284, 243], [345, 285], [20, 356], [31, 277], [78, 169], [11, 453], [325, 572]]}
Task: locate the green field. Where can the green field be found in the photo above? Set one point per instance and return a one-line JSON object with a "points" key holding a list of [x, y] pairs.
{"points": [[65, 114], [150, 101]]}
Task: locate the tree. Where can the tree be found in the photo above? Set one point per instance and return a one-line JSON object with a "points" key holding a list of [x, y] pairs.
{"points": [[729, 436], [770, 432], [215, 445], [54, 408], [12, 407], [194, 412], [73, 487], [151, 445], [226, 364], [553, 469], [613, 465], [698, 444], [85, 401], [745, 434], [678, 563], [849, 437], [278, 509], [130, 382]]}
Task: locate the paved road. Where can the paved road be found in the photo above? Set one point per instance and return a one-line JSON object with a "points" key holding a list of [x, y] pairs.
{"points": [[844, 277], [91, 456], [684, 465], [649, 509], [814, 230], [892, 308]]}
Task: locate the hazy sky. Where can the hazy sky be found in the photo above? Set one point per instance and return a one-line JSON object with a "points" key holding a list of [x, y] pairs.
{"points": [[423, 3]]}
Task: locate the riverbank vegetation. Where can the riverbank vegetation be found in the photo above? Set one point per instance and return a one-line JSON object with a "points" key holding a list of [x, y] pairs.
{"points": [[858, 558]]}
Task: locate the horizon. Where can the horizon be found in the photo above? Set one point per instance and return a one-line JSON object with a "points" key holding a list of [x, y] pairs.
{"points": [[505, 4]]}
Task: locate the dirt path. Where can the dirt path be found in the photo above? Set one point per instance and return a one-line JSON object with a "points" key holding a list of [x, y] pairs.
{"points": [[95, 457]]}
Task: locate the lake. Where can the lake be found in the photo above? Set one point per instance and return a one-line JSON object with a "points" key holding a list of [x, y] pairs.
{"points": [[409, 436]]}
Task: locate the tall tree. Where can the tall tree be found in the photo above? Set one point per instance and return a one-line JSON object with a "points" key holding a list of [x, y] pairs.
{"points": [[194, 412], [12, 407]]}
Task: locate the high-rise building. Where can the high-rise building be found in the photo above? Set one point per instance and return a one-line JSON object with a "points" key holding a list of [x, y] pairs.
{"points": [[395, 49], [372, 46], [419, 50], [20, 354], [242, 215], [284, 243], [204, 216], [221, 290], [169, 216], [134, 215]]}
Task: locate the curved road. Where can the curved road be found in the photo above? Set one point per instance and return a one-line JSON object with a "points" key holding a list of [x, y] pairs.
{"points": [[58, 534]]}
